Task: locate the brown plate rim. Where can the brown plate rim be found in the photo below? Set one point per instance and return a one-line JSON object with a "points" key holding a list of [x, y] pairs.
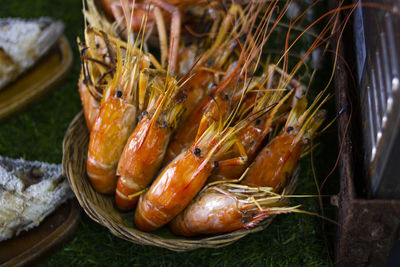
{"points": [[25, 97], [52, 242]]}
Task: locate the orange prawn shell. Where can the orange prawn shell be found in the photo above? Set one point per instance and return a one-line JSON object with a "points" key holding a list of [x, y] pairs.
{"points": [[90, 105], [140, 159], [187, 132], [248, 138], [107, 139], [184, 137], [196, 103], [275, 162], [211, 213], [172, 191]]}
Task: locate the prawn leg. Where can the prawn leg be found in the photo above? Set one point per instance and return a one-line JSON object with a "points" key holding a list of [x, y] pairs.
{"points": [[162, 35], [241, 160], [175, 32]]}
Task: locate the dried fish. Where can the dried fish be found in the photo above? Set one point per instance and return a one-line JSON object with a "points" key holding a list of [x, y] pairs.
{"points": [[23, 42], [29, 191]]}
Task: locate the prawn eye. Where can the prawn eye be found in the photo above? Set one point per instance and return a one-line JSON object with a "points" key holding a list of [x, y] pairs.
{"points": [[119, 93], [226, 97], [216, 164], [244, 220], [144, 113], [197, 151], [289, 129], [258, 122]]}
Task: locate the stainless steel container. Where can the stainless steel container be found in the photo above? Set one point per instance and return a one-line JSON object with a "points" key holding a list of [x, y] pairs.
{"points": [[377, 43]]}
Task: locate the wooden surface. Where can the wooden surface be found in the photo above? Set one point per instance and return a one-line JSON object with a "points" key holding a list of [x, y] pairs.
{"points": [[38, 243], [38, 80]]}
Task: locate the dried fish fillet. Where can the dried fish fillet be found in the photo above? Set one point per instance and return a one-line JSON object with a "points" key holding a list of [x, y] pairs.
{"points": [[29, 191], [23, 42]]}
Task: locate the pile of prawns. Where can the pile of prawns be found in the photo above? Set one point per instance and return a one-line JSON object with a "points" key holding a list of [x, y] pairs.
{"points": [[207, 139]]}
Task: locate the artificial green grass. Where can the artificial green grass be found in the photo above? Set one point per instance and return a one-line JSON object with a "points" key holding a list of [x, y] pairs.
{"points": [[37, 133]]}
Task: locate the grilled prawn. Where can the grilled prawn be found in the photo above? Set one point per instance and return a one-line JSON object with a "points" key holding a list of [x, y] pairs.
{"points": [[145, 149], [228, 207], [183, 178], [219, 210], [116, 119]]}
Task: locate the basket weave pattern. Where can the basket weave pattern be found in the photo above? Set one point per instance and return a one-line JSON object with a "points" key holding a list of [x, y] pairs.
{"points": [[101, 208]]}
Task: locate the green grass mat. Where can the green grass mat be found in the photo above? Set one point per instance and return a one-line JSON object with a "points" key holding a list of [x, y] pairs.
{"points": [[37, 133]]}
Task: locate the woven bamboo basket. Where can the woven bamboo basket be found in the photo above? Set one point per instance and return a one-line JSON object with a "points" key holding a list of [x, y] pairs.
{"points": [[101, 207]]}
